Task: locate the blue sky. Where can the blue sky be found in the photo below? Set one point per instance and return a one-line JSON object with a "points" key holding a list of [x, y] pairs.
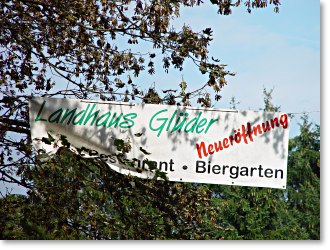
{"points": [[280, 51], [266, 50], [276, 51]]}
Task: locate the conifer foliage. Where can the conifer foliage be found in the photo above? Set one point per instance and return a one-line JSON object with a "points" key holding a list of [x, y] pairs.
{"points": [[75, 49]]}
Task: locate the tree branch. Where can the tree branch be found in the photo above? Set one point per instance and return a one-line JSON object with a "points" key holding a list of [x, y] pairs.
{"points": [[14, 125]]}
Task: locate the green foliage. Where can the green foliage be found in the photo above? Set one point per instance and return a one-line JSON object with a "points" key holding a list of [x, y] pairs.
{"points": [[69, 197], [304, 184], [262, 213], [269, 106], [76, 198]]}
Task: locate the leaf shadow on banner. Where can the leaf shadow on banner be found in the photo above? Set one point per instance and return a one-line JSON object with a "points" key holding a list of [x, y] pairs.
{"points": [[99, 137]]}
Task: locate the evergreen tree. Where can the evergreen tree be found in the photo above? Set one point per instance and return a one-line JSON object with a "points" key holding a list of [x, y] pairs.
{"points": [[264, 213], [304, 179], [73, 198]]}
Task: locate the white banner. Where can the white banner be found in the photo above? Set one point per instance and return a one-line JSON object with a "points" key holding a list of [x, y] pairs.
{"points": [[230, 147]]}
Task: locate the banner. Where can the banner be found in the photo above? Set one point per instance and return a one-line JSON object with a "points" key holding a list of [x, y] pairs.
{"points": [[188, 144]]}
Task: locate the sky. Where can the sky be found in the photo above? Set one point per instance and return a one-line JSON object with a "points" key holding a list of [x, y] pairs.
{"points": [[275, 51], [279, 51], [267, 50]]}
